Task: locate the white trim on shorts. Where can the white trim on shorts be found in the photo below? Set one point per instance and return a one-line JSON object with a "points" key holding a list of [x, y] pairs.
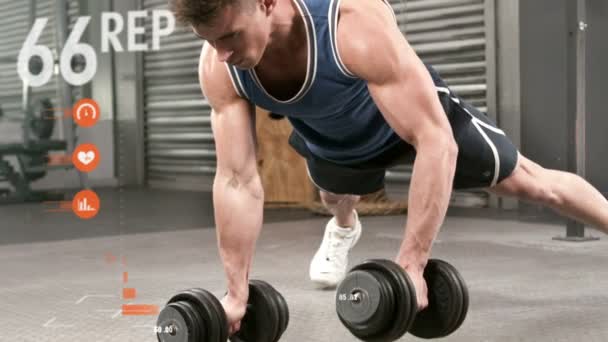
{"points": [[478, 124]]}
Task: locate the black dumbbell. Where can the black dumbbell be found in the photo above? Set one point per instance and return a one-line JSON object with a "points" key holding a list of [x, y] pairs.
{"points": [[376, 301], [195, 315]]}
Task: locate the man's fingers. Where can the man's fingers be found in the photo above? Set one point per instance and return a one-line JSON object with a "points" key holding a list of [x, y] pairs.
{"points": [[422, 297], [234, 328], [422, 303]]}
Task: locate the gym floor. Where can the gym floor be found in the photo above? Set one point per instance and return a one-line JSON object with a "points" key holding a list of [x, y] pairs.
{"points": [[62, 279]]}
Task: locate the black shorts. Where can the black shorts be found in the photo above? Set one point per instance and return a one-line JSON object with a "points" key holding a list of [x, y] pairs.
{"points": [[486, 156]]}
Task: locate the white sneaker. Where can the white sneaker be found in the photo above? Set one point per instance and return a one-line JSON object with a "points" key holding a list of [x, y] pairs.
{"points": [[330, 263]]}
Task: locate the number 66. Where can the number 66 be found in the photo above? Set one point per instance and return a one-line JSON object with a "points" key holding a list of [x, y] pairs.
{"points": [[72, 47]]}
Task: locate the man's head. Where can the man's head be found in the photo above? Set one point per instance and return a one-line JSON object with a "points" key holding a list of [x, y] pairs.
{"points": [[238, 29]]}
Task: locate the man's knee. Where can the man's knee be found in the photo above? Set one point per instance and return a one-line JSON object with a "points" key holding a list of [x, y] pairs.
{"points": [[531, 182], [542, 192], [333, 200]]}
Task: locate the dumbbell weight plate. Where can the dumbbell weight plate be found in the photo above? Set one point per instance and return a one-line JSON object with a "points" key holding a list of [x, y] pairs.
{"points": [[260, 323], [208, 317], [171, 325], [177, 323], [280, 305], [273, 321], [284, 313], [456, 295], [214, 313], [408, 299], [465, 295], [404, 298], [465, 301], [363, 304], [445, 303], [197, 329]]}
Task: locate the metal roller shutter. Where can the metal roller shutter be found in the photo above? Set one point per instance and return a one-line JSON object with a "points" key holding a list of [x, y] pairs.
{"points": [[451, 36], [14, 28], [180, 152]]}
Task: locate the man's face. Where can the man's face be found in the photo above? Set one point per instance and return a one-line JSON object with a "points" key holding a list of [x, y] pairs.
{"points": [[239, 34]]}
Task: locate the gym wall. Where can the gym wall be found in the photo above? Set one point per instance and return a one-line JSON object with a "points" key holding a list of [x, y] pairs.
{"points": [[548, 84], [597, 76], [544, 81]]}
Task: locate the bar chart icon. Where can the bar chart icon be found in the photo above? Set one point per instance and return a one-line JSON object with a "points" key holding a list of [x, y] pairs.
{"points": [[86, 204]]}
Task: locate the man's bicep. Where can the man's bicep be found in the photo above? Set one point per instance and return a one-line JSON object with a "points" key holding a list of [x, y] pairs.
{"points": [[405, 93], [411, 106], [235, 137], [232, 117]]}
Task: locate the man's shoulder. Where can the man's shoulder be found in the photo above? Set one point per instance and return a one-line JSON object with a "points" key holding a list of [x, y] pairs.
{"points": [[366, 31], [214, 77], [208, 62], [366, 19], [365, 10]]}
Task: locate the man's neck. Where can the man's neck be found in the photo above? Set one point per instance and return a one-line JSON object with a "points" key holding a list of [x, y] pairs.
{"points": [[288, 31]]}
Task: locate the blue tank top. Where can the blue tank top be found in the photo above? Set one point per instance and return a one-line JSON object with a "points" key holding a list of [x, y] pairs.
{"points": [[333, 111]]}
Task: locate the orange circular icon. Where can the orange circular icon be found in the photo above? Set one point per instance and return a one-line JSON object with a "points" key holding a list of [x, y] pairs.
{"points": [[86, 113], [86, 204], [86, 157]]}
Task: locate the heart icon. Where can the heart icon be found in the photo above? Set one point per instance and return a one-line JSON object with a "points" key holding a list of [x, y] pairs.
{"points": [[86, 157]]}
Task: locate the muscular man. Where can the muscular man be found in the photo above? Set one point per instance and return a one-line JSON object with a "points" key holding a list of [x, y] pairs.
{"points": [[360, 101]]}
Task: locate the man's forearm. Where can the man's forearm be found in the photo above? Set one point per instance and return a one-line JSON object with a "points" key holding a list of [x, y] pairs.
{"points": [[429, 197], [238, 208]]}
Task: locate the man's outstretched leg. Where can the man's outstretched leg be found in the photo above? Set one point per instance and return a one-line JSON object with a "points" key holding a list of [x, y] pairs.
{"points": [[566, 193], [330, 263]]}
